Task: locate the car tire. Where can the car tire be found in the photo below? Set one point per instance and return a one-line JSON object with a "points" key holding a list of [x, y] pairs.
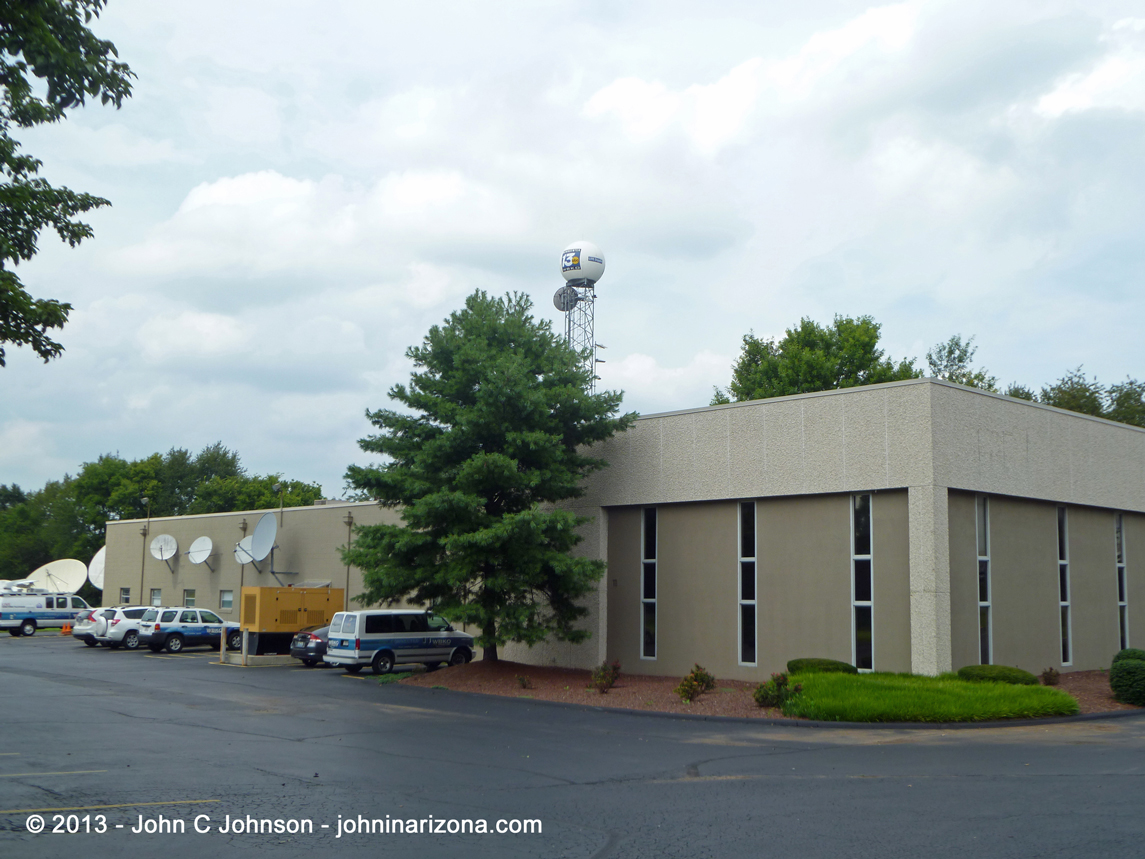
{"points": [[383, 662], [432, 666], [352, 669], [131, 640], [91, 643], [459, 657], [235, 640], [309, 663], [113, 645], [28, 627], [14, 632], [174, 643], [155, 648]]}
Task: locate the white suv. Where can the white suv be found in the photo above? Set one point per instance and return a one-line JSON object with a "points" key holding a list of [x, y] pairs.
{"points": [[119, 626]]}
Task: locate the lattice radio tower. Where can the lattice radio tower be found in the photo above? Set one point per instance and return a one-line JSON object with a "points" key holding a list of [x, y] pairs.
{"points": [[582, 264]]}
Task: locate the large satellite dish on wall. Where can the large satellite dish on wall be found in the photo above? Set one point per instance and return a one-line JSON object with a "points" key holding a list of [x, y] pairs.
{"points": [[66, 575], [201, 550], [262, 541], [164, 547], [96, 567]]}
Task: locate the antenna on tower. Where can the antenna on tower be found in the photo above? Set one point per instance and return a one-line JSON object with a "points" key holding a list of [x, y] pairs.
{"points": [[582, 265]]}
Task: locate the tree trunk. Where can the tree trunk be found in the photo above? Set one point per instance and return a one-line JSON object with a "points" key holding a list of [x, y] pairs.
{"points": [[489, 654]]}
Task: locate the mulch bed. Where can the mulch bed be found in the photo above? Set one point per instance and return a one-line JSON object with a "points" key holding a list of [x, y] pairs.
{"points": [[644, 692]]}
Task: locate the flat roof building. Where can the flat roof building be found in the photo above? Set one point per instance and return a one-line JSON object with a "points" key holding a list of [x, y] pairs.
{"points": [[913, 526]]}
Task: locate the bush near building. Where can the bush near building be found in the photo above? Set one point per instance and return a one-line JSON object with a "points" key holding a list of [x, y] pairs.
{"points": [[1130, 653], [1127, 680], [806, 666], [997, 674]]}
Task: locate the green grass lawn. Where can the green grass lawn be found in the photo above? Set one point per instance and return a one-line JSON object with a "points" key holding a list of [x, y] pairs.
{"points": [[912, 698]]}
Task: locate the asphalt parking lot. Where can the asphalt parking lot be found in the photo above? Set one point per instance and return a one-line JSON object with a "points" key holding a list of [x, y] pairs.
{"points": [[191, 753]]}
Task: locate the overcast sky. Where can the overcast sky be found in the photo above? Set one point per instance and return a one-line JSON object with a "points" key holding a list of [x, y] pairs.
{"points": [[301, 189]]}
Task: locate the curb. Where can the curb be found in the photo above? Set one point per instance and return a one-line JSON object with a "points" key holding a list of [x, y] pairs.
{"points": [[801, 723]]}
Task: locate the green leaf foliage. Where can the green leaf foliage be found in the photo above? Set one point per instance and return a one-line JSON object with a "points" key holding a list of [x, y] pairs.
{"points": [[492, 431], [812, 357], [49, 62], [812, 665], [997, 674], [1130, 653], [1077, 393], [1127, 680], [952, 361]]}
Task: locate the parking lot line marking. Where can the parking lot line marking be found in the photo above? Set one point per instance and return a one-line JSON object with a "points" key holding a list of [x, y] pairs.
{"points": [[68, 772], [353, 677], [8, 754], [97, 807]]}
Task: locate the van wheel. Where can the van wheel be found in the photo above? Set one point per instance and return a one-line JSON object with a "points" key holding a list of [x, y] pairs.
{"points": [[131, 640], [459, 657], [383, 662], [234, 640], [174, 643], [28, 627], [353, 669]]}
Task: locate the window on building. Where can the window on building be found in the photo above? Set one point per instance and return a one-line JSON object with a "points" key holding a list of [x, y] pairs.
{"points": [[124, 596], [648, 585], [156, 596], [747, 583], [862, 583], [226, 600], [189, 596], [1122, 596], [1063, 586], [985, 636]]}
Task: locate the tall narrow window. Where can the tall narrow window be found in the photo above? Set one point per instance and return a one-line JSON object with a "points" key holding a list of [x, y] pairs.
{"points": [[985, 638], [156, 596], [747, 611], [648, 586], [1122, 596], [1063, 586], [862, 583]]}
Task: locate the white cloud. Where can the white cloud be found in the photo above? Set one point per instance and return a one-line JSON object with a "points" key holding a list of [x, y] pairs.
{"points": [[190, 333], [1116, 82], [649, 386]]}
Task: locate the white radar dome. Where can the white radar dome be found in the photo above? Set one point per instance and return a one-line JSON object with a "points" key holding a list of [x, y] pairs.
{"points": [[582, 261]]}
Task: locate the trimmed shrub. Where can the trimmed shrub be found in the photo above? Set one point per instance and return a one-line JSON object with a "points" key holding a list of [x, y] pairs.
{"points": [[1051, 677], [775, 692], [997, 674], [820, 666], [1127, 680], [604, 675], [695, 684], [1130, 653]]}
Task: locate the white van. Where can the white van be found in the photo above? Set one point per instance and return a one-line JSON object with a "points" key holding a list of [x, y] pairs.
{"points": [[383, 638], [23, 610]]}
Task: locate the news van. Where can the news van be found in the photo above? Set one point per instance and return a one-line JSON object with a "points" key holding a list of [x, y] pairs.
{"points": [[24, 608], [383, 639]]}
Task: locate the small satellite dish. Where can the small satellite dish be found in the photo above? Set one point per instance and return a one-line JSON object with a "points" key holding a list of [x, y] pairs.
{"points": [[242, 550], [582, 261], [66, 575], [566, 298], [96, 567], [164, 547], [263, 538], [201, 550]]}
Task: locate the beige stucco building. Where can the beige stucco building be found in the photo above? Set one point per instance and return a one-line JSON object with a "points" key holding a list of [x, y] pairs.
{"points": [[913, 526]]}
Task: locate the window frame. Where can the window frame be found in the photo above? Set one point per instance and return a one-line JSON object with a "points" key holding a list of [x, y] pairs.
{"points": [[189, 597], [1122, 580], [742, 603], [645, 562], [982, 540], [125, 596], [231, 605], [156, 597], [1065, 606], [856, 603]]}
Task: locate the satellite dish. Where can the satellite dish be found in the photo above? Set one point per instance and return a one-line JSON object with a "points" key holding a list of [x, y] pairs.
{"points": [[200, 550], [66, 575], [566, 298], [582, 261], [263, 538], [164, 547], [96, 567], [242, 550]]}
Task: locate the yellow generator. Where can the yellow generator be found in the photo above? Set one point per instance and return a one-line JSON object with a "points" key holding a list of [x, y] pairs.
{"points": [[289, 609]]}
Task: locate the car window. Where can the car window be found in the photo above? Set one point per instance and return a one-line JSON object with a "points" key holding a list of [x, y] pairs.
{"points": [[49, 602], [149, 615], [189, 617], [379, 624], [210, 617], [336, 623], [349, 624], [108, 613], [78, 603], [134, 613], [168, 616], [439, 624]]}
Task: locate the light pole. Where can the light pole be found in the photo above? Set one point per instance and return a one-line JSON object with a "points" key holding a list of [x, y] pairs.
{"points": [[281, 494], [348, 521], [143, 553]]}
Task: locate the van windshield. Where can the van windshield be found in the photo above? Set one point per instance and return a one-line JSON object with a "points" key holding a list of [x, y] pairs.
{"points": [[349, 624], [336, 623]]}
